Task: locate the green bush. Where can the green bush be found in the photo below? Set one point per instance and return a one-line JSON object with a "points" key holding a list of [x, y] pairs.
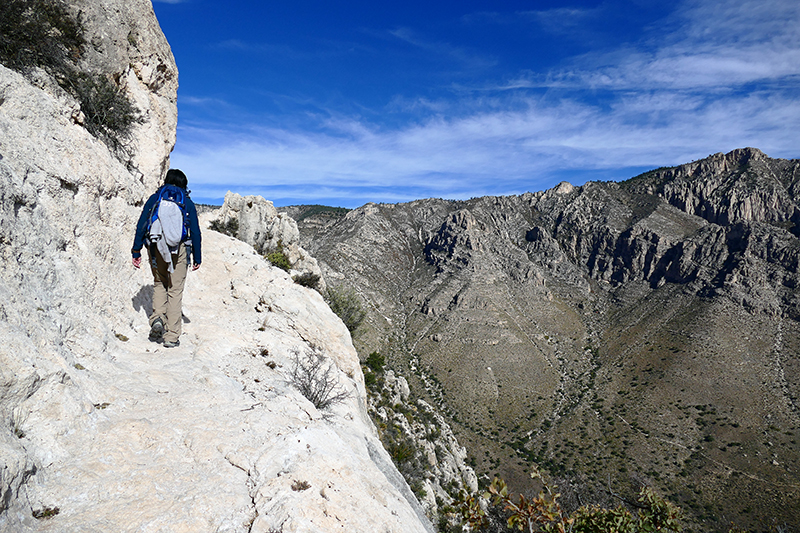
{"points": [[347, 306], [230, 228], [402, 451], [597, 520], [279, 259], [108, 113], [376, 362], [43, 34], [653, 514], [544, 513]]}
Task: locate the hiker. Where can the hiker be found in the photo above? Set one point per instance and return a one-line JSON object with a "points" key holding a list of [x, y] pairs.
{"points": [[168, 225]]}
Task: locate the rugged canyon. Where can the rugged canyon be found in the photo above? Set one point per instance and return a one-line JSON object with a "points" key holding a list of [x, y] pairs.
{"points": [[614, 334], [611, 335]]}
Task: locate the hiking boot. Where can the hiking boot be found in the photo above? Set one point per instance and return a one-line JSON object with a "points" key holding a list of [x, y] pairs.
{"points": [[172, 344], [156, 330]]}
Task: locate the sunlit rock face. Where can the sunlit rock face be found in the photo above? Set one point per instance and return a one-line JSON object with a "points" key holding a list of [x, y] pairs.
{"points": [[101, 430], [259, 224], [636, 332]]}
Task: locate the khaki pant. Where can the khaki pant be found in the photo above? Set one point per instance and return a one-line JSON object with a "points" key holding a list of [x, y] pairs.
{"points": [[168, 292]]}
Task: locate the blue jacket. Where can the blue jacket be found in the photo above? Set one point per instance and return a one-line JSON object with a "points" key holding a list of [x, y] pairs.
{"points": [[194, 228]]}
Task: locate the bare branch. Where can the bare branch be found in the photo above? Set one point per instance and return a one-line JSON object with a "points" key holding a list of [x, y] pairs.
{"points": [[315, 378]]}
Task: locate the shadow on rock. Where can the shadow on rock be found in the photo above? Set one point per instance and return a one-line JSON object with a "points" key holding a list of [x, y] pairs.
{"points": [[144, 300]]}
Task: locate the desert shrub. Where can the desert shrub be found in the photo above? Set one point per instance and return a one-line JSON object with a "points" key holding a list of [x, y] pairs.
{"points": [[375, 361], [407, 457], [108, 112], [39, 33], [373, 371], [43, 34], [307, 279], [598, 520], [402, 451], [370, 379], [278, 258], [347, 306], [315, 378], [46, 512], [543, 513], [654, 514], [299, 486], [230, 228]]}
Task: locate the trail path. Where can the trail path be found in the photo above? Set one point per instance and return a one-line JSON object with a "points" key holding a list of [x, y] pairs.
{"points": [[210, 436]]}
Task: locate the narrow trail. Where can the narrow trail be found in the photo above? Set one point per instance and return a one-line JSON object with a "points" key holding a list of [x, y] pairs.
{"points": [[212, 436], [161, 423]]}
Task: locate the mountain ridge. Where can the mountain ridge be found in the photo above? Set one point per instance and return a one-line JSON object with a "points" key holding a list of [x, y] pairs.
{"points": [[540, 318]]}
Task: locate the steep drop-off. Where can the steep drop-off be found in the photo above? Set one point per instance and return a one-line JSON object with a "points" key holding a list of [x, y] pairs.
{"points": [[625, 333], [101, 430]]}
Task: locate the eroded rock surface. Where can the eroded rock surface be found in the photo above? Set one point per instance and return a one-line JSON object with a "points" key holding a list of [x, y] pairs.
{"points": [[637, 332], [101, 430], [262, 226]]}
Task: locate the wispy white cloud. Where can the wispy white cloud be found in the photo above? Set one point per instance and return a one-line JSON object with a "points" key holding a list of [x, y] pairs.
{"points": [[205, 101], [472, 58], [716, 44], [505, 152], [726, 77], [563, 21], [411, 105]]}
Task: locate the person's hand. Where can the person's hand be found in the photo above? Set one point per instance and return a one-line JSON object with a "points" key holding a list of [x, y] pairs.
{"points": [[137, 262], [195, 266]]}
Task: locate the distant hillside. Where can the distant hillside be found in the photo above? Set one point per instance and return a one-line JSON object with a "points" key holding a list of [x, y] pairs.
{"points": [[313, 218], [615, 333]]}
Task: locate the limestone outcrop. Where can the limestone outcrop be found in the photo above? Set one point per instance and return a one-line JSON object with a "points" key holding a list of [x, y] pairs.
{"points": [[101, 430], [259, 224]]}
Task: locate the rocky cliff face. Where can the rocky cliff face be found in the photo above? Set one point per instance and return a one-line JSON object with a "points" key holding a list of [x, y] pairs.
{"points": [[422, 445], [637, 332], [101, 430]]}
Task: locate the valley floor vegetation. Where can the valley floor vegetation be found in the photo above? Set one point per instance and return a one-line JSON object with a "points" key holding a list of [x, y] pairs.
{"points": [[494, 509]]}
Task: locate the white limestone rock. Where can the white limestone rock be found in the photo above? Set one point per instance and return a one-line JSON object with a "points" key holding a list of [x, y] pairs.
{"points": [[266, 230], [120, 434], [395, 388]]}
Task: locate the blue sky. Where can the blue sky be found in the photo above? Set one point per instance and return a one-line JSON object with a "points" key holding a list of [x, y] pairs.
{"points": [[343, 103]]}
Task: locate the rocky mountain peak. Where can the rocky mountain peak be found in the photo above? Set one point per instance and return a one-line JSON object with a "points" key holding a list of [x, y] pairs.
{"points": [[633, 332], [563, 188], [742, 186]]}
